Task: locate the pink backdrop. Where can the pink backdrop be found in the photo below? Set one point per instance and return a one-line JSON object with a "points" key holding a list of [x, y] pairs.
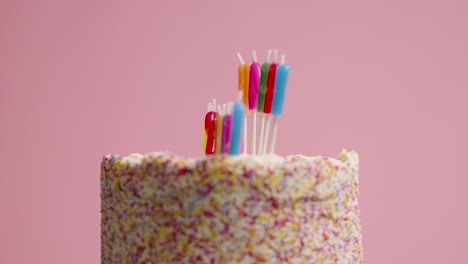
{"points": [[80, 79]]}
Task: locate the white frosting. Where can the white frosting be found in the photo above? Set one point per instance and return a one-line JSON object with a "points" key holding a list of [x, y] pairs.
{"points": [[137, 158], [268, 159], [134, 158]]}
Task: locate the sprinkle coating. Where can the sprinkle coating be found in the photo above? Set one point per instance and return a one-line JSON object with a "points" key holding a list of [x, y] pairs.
{"points": [[161, 208]]}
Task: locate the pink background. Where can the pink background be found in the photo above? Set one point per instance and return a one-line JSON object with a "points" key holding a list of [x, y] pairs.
{"points": [[80, 79]]}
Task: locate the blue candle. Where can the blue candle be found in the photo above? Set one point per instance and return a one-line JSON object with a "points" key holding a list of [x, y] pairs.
{"points": [[281, 83], [236, 126]]}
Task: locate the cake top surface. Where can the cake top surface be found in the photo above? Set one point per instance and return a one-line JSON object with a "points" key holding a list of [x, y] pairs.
{"points": [[266, 160], [293, 177]]}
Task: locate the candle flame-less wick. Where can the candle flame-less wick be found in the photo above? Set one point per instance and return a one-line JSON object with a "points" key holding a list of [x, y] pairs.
{"points": [[254, 55], [239, 95], [239, 56], [268, 58]]}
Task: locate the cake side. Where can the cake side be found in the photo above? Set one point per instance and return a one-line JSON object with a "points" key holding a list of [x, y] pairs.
{"points": [[166, 209]]}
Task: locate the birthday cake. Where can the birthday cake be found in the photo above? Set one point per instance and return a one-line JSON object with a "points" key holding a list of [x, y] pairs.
{"points": [[228, 207], [161, 208]]}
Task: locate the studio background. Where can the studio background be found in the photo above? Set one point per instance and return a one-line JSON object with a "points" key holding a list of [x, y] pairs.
{"points": [[80, 79]]}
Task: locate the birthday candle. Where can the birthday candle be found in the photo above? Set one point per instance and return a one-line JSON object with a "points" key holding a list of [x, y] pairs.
{"points": [[261, 97], [227, 122], [263, 81], [210, 128], [219, 130], [254, 81], [240, 72], [254, 85], [226, 133], [243, 76], [270, 87], [205, 136], [244, 82], [281, 83], [238, 112]]}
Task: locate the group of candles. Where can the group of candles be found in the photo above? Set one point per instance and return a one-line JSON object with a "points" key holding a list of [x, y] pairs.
{"points": [[262, 89]]}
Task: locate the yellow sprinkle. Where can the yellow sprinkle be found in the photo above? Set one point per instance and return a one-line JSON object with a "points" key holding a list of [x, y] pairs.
{"points": [[206, 180], [257, 182], [281, 233], [262, 217], [217, 175], [198, 210], [129, 221], [211, 232], [232, 177], [294, 226], [116, 184], [275, 179], [295, 206], [118, 164], [178, 212], [187, 252], [250, 247], [215, 202]]}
